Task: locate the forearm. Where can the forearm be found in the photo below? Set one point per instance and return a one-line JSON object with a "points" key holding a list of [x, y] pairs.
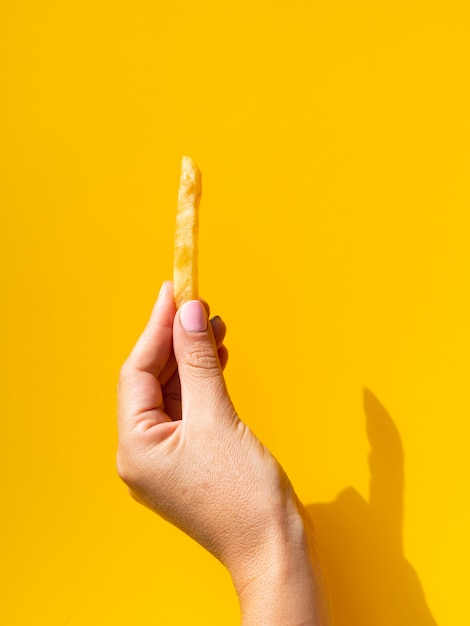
{"points": [[283, 585]]}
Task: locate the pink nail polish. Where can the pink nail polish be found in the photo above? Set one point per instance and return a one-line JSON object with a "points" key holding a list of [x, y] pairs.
{"points": [[193, 316]]}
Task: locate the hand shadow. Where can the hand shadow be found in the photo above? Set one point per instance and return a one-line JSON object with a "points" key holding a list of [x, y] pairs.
{"points": [[360, 543]]}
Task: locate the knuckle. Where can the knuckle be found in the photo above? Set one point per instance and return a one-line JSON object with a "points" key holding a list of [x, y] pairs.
{"points": [[201, 357], [126, 468], [122, 467]]}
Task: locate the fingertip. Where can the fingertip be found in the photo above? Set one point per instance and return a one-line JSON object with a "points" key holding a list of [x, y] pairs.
{"points": [[219, 329], [153, 347], [165, 304], [166, 291], [222, 353]]}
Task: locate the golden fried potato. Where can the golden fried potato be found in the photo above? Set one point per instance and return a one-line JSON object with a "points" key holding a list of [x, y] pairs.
{"points": [[185, 275]]}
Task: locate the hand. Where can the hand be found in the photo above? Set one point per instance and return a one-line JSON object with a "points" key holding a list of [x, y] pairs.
{"points": [[185, 454]]}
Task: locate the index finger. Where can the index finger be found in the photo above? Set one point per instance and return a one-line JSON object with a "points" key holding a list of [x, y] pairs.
{"points": [[140, 393], [153, 348]]}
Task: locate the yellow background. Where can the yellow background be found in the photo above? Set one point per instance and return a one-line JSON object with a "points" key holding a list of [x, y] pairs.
{"points": [[334, 143]]}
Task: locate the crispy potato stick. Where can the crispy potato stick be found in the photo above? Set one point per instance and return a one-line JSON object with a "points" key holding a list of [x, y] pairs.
{"points": [[187, 225]]}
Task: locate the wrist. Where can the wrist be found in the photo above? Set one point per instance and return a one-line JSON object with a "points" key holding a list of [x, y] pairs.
{"points": [[281, 583]]}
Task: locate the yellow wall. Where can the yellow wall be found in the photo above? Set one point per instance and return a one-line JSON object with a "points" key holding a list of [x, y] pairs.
{"points": [[334, 143]]}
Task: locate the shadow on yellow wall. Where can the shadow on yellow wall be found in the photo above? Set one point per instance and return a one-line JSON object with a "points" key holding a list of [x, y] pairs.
{"points": [[371, 582]]}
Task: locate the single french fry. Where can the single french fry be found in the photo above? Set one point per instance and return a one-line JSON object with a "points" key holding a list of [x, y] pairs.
{"points": [[185, 276]]}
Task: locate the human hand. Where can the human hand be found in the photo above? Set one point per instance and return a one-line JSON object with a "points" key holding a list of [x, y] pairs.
{"points": [[185, 454]]}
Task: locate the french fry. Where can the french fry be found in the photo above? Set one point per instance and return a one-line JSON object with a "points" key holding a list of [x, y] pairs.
{"points": [[185, 276]]}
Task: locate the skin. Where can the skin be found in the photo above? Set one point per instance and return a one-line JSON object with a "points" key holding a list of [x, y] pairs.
{"points": [[184, 453]]}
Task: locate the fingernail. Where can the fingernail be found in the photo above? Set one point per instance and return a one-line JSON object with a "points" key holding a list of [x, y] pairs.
{"points": [[162, 289], [193, 316], [217, 324]]}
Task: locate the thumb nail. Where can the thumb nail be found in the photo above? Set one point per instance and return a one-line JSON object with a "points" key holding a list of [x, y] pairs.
{"points": [[193, 316]]}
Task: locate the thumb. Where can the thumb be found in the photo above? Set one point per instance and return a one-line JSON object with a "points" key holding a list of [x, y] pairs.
{"points": [[203, 389]]}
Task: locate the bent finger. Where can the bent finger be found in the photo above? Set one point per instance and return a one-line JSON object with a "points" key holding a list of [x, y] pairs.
{"points": [[223, 356], [219, 329]]}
